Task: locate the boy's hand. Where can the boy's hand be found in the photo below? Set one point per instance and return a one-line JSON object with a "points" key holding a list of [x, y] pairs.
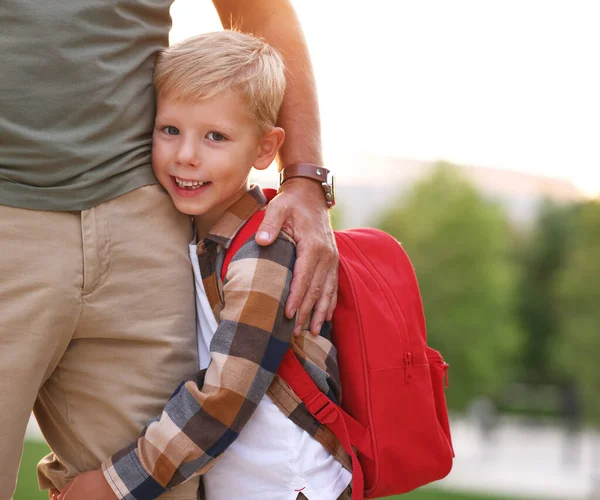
{"points": [[301, 211], [88, 486]]}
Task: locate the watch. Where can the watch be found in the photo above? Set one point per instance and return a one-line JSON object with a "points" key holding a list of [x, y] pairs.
{"points": [[315, 172]]}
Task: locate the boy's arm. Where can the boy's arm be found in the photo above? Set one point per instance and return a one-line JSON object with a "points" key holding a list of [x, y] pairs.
{"points": [[300, 207], [208, 411]]}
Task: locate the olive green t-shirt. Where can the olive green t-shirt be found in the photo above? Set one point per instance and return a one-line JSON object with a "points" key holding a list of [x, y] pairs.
{"points": [[76, 100]]}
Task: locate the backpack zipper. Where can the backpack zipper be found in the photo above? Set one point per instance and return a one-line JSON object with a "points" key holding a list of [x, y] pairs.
{"points": [[408, 364], [407, 354]]}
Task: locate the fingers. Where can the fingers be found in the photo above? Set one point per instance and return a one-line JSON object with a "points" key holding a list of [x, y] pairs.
{"points": [[302, 214], [333, 285], [314, 278], [301, 280], [64, 492], [53, 494], [271, 225], [314, 285], [333, 303], [323, 309], [310, 291]]}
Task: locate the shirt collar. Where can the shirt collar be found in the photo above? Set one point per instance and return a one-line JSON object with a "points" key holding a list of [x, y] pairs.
{"points": [[234, 218]]}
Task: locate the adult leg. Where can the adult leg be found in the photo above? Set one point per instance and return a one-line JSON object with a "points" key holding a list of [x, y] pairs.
{"points": [[135, 340], [40, 284]]}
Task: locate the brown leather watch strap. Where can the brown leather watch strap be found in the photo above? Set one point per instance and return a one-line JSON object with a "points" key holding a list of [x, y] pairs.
{"points": [[313, 172], [308, 170]]}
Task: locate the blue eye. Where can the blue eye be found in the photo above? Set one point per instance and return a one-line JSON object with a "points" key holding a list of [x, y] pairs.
{"points": [[170, 130], [215, 136]]}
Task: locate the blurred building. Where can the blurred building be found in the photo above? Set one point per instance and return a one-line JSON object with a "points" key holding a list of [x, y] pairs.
{"points": [[383, 179], [367, 185]]}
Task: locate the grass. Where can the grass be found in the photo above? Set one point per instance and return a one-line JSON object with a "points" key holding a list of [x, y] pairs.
{"points": [[435, 494], [27, 488]]}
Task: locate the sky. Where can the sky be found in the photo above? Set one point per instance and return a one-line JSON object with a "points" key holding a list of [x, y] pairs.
{"points": [[511, 84]]}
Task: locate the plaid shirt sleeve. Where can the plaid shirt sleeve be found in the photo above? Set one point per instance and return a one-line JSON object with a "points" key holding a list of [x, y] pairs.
{"points": [[207, 412]]}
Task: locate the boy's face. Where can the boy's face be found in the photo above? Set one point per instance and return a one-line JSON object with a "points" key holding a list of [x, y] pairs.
{"points": [[203, 151]]}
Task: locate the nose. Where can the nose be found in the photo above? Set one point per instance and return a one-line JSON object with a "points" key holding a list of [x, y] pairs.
{"points": [[188, 153]]}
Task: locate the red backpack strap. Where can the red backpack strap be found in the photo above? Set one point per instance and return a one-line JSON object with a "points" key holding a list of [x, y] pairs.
{"points": [[347, 430]]}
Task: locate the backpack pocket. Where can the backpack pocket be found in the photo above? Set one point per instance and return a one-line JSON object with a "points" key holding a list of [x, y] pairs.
{"points": [[439, 380]]}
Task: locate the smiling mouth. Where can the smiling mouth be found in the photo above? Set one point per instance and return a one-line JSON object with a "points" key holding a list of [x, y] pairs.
{"points": [[188, 184]]}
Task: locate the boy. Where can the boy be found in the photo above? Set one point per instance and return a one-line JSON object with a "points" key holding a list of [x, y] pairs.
{"points": [[235, 422]]}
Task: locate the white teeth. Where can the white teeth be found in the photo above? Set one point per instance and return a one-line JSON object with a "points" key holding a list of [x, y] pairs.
{"points": [[188, 184]]}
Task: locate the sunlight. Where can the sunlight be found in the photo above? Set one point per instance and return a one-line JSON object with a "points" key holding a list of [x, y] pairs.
{"points": [[497, 84]]}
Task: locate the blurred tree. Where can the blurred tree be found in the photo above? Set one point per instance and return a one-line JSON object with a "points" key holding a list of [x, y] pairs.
{"points": [[577, 349], [459, 244], [336, 216], [542, 259]]}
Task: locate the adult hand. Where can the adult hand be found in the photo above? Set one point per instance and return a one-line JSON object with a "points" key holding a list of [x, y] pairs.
{"points": [[88, 486], [299, 209]]}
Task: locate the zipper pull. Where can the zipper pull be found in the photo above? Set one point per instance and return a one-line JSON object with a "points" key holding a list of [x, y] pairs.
{"points": [[408, 377]]}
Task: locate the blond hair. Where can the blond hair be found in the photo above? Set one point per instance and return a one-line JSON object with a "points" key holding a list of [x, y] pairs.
{"points": [[206, 65]]}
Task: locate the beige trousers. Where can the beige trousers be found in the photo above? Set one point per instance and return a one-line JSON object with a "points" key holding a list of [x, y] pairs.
{"points": [[97, 328]]}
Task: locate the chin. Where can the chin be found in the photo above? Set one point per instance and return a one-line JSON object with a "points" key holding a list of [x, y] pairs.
{"points": [[186, 209], [189, 208]]}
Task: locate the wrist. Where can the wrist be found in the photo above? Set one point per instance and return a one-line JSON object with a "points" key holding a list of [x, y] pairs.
{"points": [[304, 191]]}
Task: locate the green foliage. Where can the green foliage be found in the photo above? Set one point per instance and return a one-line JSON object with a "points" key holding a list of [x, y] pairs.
{"points": [[543, 259], [27, 485], [459, 244], [577, 350], [429, 493], [336, 216]]}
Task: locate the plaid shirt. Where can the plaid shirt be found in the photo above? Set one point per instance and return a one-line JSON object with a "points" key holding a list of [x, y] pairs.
{"points": [[208, 410]]}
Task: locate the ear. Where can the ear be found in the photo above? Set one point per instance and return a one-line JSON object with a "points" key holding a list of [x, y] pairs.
{"points": [[268, 147]]}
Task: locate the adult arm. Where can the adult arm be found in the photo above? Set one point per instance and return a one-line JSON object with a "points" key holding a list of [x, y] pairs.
{"points": [[300, 207]]}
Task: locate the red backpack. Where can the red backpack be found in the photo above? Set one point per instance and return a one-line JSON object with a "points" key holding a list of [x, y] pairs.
{"points": [[393, 411]]}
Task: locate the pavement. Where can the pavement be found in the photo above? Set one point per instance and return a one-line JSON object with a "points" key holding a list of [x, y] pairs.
{"points": [[520, 459]]}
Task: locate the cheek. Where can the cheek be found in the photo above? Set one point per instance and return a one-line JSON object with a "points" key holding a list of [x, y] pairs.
{"points": [[160, 157], [218, 162], [242, 157]]}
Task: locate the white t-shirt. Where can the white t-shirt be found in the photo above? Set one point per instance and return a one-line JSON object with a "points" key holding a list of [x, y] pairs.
{"points": [[272, 458]]}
